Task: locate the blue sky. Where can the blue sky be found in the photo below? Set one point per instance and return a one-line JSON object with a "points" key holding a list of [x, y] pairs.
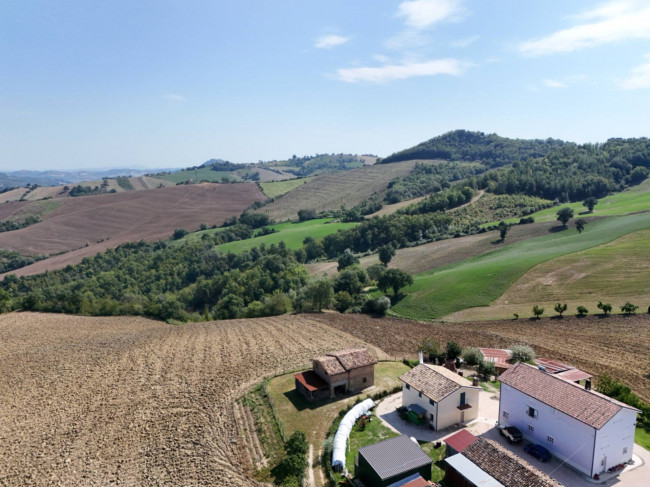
{"points": [[174, 83]]}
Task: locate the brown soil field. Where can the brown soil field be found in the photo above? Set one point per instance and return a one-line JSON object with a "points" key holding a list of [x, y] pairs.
{"points": [[616, 345], [130, 401], [422, 258], [330, 191], [13, 195], [86, 225], [266, 175]]}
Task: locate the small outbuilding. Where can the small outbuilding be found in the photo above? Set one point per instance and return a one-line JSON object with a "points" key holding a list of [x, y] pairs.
{"points": [[457, 442], [446, 397], [352, 369], [390, 461]]}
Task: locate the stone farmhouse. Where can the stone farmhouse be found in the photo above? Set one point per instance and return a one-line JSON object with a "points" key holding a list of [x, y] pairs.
{"points": [[589, 431], [348, 370], [445, 397]]}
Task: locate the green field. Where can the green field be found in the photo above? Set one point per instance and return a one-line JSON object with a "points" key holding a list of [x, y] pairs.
{"points": [[202, 174], [631, 200], [481, 280], [278, 188], [642, 437], [292, 234]]}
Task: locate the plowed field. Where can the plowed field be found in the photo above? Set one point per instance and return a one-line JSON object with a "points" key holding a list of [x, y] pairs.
{"points": [[617, 345], [86, 225], [129, 401]]}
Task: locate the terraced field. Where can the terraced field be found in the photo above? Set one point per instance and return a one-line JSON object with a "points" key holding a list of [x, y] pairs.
{"points": [[130, 401], [330, 191]]}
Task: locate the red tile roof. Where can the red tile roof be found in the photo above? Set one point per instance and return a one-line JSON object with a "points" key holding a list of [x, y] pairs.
{"points": [[574, 375], [434, 381], [345, 360], [460, 440], [496, 355], [552, 366], [331, 365], [311, 380], [590, 407]]}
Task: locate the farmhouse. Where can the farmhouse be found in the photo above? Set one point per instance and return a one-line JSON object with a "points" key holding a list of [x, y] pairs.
{"points": [[352, 369], [391, 461], [591, 432], [498, 356], [485, 463], [444, 397]]}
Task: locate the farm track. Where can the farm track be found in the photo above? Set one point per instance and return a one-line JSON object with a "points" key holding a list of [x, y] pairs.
{"points": [[617, 345], [330, 191], [95, 401]]}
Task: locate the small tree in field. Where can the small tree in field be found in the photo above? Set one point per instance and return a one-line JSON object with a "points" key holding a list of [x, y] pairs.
{"points": [[628, 308], [395, 279], [582, 311], [346, 260], [486, 369], [537, 311], [606, 308], [503, 230], [564, 215], [589, 203], [472, 356], [580, 224], [560, 308], [386, 253]]}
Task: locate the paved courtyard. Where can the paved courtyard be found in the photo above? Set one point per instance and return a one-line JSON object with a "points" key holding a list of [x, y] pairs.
{"points": [[637, 475]]}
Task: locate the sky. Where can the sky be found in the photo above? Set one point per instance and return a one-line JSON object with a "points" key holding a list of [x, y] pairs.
{"points": [[173, 83]]}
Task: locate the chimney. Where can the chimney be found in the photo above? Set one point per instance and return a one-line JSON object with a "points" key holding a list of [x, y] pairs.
{"points": [[588, 384], [421, 357]]}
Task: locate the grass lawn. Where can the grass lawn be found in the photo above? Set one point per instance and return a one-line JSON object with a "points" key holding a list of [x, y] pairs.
{"points": [[374, 432], [634, 199], [480, 280], [278, 188], [294, 413], [438, 457], [642, 437], [292, 234]]}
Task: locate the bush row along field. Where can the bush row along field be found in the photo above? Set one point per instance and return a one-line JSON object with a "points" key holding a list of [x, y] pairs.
{"points": [[331, 191], [274, 189], [615, 272], [292, 234], [632, 200], [131, 401], [617, 346], [479, 281]]}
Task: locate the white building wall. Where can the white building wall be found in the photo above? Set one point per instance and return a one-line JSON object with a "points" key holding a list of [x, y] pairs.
{"points": [[413, 396], [448, 412], [565, 437], [614, 441]]}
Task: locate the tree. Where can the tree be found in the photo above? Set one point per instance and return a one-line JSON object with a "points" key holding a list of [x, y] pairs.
{"points": [[297, 444], [395, 279], [453, 350], [486, 369], [378, 307], [503, 230], [628, 308], [472, 356], [346, 260], [606, 308], [348, 280], [375, 271], [179, 233], [580, 224], [560, 308], [319, 293], [306, 214], [537, 311], [589, 203], [522, 353], [430, 347], [582, 311], [343, 301], [386, 253], [564, 215]]}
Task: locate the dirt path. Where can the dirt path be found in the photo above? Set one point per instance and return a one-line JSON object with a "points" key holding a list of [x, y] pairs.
{"points": [[101, 401], [310, 468]]}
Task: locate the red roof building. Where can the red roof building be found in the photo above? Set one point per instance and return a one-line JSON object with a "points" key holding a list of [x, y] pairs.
{"points": [[457, 442]]}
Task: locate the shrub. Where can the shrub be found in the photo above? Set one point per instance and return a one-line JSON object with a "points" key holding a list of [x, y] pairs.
{"points": [[486, 369], [522, 353], [537, 311], [430, 347], [582, 311], [628, 308], [179, 233], [343, 301], [605, 307], [453, 350], [472, 356], [377, 307]]}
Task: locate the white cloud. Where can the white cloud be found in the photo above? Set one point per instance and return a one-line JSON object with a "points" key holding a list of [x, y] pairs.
{"points": [[639, 77], [551, 83], [328, 42], [423, 13], [612, 22], [172, 96], [464, 42], [390, 72]]}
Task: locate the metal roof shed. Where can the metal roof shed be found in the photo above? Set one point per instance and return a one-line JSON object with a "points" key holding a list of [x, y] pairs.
{"points": [[389, 461], [469, 471]]}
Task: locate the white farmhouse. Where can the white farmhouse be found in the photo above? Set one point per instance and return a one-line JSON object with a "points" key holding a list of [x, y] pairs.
{"points": [[446, 397], [589, 431]]}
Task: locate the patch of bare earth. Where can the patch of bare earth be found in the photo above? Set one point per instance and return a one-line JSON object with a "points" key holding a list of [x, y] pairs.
{"points": [[84, 226], [616, 345], [130, 401]]}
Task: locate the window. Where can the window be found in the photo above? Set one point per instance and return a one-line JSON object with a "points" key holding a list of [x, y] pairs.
{"points": [[420, 394], [506, 414], [432, 402], [407, 386], [532, 412], [365, 380], [549, 439], [462, 398], [531, 428]]}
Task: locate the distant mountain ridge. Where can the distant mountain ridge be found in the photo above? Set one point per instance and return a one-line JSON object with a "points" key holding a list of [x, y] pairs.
{"points": [[55, 178]]}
